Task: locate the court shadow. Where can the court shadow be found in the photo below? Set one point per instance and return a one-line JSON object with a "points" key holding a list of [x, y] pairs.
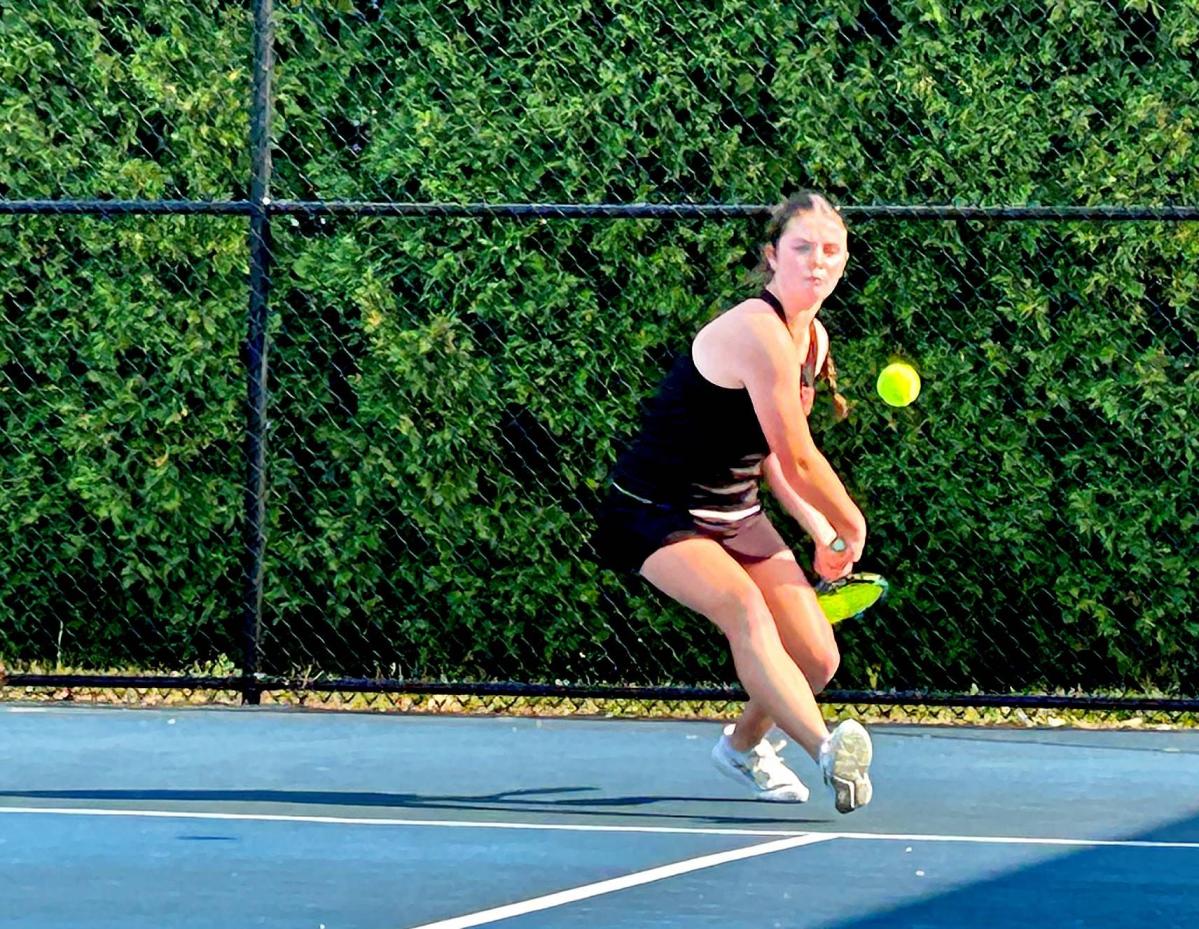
{"points": [[1152, 743], [572, 802], [1117, 886]]}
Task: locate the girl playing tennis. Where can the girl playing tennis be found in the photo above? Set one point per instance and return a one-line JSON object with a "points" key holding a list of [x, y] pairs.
{"points": [[683, 506]]}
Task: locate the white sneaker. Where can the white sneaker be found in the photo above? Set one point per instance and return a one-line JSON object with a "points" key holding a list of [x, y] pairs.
{"points": [[845, 760], [760, 769], [774, 738]]}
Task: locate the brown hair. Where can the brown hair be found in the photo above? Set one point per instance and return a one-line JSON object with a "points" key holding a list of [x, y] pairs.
{"points": [[803, 202], [806, 201], [828, 371]]}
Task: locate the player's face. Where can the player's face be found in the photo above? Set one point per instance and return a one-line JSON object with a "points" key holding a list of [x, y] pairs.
{"points": [[809, 258]]}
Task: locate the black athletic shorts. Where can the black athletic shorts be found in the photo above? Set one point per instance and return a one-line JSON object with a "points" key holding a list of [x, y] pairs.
{"points": [[629, 530]]}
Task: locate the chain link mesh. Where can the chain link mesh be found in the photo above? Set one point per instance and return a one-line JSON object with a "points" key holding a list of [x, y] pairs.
{"points": [[120, 399], [131, 100], [447, 394], [1035, 500], [1044, 101]]}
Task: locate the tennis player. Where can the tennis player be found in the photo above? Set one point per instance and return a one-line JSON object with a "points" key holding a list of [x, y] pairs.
{"points": [[683, 508]]}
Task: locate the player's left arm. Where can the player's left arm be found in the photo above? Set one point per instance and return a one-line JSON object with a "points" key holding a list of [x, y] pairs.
{"points": [[810, 518], [801, 511]]}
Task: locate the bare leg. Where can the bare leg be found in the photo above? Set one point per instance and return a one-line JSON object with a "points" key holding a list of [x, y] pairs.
{"points": [[704, 577], [805, 633], [751, 727]]}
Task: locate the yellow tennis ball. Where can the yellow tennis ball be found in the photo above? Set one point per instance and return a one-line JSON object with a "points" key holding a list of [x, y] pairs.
{"points": [[898, 384]]}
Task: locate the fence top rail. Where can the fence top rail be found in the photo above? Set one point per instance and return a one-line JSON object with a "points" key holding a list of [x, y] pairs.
{"points": [[728, 211], [101, 207], [125, 207]]}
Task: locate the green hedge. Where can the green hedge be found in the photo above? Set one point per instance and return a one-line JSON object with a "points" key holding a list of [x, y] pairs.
{"points": [[448, 395], [120, 406], [121, 387]]}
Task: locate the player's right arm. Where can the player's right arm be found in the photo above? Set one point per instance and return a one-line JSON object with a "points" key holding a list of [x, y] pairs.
{"points": [[765, 360]]}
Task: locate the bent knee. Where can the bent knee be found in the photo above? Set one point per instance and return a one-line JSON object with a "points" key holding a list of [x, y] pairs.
{"points": [[820, 666]]}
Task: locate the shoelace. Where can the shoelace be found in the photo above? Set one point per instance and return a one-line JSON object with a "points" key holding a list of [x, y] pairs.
{"points": [[764, 761], [776, 739]]}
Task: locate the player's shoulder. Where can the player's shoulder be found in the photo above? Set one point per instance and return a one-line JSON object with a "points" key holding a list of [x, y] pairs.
{"points": [[754, 322], [754, 342], [743, 344]]}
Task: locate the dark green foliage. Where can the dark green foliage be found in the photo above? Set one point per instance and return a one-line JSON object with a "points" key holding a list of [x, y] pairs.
{"points": [[447, 395], [120, 421]]}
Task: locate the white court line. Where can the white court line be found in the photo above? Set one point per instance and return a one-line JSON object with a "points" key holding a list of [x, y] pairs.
{"points": [[635, 879], [587, 827], [1018, 840]]}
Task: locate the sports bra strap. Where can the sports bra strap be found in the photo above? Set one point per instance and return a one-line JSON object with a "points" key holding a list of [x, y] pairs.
{"points": [[808, 372], [774, 302]]}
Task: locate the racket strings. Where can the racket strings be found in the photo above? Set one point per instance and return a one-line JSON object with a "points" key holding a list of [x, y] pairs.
{"points": [[851, 598]]}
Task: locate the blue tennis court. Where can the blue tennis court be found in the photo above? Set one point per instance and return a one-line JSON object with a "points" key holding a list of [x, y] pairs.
{"points": [[256, 817]]}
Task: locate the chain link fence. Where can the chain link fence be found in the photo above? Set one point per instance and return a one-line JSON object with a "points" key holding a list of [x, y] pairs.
{"points": [[477, 236]]}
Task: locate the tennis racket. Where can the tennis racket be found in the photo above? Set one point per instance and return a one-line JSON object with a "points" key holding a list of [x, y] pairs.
{"points": [[850, 596]]}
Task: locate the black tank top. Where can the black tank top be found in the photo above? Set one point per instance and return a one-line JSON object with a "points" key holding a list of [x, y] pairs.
{"points": [[699, 445]]}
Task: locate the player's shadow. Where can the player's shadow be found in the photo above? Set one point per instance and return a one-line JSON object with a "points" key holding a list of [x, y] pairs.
{"points": [[571, 802]]}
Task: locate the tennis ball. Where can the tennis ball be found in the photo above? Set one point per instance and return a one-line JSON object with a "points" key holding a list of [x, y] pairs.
{"points": [[898, 384]]}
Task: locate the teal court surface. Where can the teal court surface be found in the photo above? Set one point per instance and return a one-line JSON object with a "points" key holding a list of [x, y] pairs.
{"points": [[195, 818]]}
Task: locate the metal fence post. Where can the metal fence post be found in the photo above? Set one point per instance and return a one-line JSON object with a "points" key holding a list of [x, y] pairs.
{"points": [[256, 345]]}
